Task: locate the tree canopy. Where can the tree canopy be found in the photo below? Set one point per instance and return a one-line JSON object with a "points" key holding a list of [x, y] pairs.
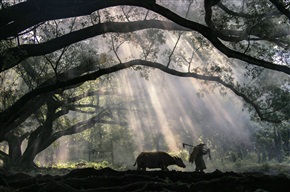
{"points": [[50, 50]]}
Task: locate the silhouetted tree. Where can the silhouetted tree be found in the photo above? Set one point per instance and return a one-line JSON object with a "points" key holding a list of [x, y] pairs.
{"points": [[255, 33]]}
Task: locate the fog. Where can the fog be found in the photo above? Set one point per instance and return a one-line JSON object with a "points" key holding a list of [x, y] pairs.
{"points": [[163, 112], [182, 110]]}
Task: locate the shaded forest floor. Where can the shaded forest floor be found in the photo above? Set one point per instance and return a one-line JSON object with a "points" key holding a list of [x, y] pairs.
{"points": [[107, 179]]}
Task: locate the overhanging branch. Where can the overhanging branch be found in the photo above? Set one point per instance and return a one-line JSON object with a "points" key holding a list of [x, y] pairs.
{"points": [[13, 56], [115, 68]]}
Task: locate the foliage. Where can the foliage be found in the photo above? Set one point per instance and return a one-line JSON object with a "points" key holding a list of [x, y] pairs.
{"points": [[241, 166], [57, 69], [249, 164]]}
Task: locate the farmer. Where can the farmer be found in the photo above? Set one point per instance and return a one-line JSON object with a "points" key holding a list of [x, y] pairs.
{"points": [[196, 156]]}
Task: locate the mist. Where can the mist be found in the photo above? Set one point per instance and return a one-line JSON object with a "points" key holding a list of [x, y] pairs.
{"points": [[162, 112]]}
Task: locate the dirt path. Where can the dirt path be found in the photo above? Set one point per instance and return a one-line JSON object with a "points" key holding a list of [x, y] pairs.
{"points": [[91, 180]]}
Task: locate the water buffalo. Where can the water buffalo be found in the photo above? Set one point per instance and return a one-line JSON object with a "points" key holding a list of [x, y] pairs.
{"points": [[157, 159]]}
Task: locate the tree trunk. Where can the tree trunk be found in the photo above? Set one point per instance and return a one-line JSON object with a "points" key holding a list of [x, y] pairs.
{"points": [[278, 145], [287, 145], [112, 152], [14, 153], [15, 159]]}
